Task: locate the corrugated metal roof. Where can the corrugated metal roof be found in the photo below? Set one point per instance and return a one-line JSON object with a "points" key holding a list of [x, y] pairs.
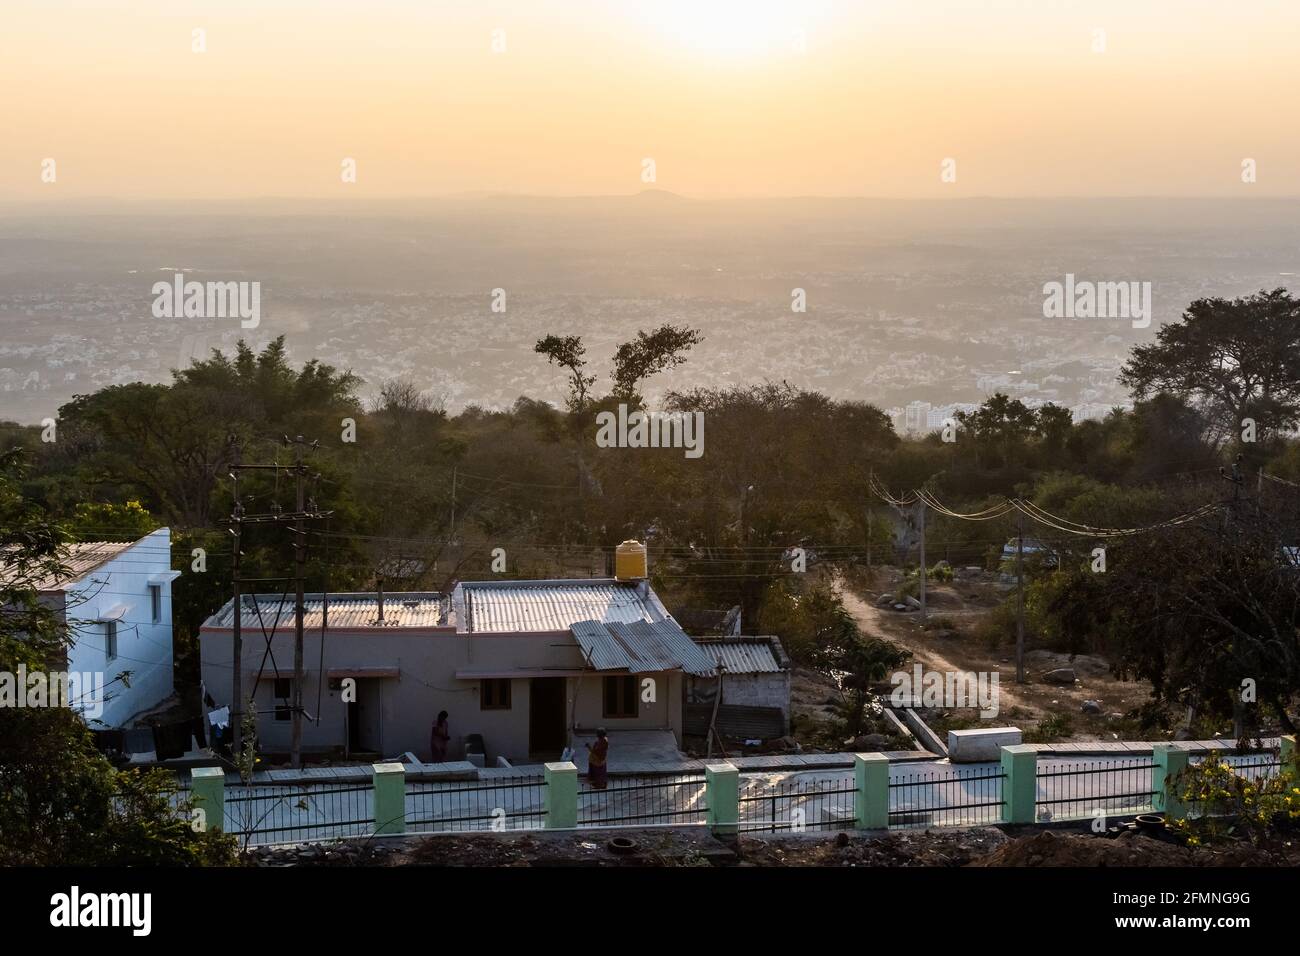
{"points": [[640, 647], [84, 557], [600, 648], [742, 657], [350, 611], [554, 605]]}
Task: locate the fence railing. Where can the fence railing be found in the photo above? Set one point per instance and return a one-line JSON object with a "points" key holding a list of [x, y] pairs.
{"points": [[798, 805], [512, 803], [644, 801], [283, 814], [945, 798], [878, 795], [1082, 789]]}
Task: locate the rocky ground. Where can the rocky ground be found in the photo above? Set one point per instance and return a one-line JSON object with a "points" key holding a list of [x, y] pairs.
{"points": [[694, 846]]}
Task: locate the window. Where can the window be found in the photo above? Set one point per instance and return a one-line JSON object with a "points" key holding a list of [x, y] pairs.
{"points": [[494, 694], [620, 697], [283, 698], [110, 640], [155, 601]]}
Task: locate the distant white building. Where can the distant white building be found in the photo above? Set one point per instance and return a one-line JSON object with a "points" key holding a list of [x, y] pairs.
{"points": [[1090, 411], [916, 418], [116, 603]]}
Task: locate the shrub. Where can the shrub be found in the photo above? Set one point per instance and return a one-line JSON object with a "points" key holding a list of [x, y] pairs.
{"points": [[1229, 805]]}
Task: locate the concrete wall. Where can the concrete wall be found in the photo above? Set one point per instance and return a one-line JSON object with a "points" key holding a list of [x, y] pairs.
{"points": [[749, 690], [143, 647], [663, 713], [427, 661]]}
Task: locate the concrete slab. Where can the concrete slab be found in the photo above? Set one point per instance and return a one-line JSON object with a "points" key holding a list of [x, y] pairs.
{"points": [[627, 747], [980, 744]]}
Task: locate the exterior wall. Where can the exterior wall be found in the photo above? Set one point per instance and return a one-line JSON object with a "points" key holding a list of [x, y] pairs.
{"points": [[427, 662], [143, 647], [750, 690], [664, 713]]}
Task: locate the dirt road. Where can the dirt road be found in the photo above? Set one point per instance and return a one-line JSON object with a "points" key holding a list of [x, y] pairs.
{"points": [[903, 630], [957, 649]]}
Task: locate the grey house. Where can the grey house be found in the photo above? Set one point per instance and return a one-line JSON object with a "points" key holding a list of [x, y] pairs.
{"points": [[523, 665]]}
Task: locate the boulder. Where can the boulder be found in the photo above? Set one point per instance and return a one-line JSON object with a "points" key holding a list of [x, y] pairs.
{"points": [[1090, 707], [866, 743], [913, 603], [1061, 675], [884, 599]]}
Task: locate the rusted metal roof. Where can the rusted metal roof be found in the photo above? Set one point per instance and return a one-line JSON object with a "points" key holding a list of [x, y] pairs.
{"points": [[346, 611], [640, 647], [515, 606]]}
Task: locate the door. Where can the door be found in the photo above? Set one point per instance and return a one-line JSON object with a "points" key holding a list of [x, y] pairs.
{"points": [[365, 723], [546, 716]]}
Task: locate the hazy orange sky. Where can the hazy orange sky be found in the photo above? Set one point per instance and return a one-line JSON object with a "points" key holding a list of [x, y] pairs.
{"points": [[729, 98]]}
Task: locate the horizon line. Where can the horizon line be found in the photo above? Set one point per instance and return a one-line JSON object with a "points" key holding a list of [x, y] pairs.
{"points": [[484, 195]]}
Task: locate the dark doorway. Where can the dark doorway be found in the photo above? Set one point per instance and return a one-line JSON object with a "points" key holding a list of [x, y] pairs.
{"points": [[364, 715], [546, 716]]}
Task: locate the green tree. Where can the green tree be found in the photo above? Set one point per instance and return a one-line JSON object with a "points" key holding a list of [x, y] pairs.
{"points": [[1234, 358], [61, 802], [649, 354], [569, 353]]}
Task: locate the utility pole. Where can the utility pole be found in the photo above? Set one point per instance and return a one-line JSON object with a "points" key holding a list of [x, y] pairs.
{"points": [[300, 516], [236, 642], [451, 535], [869, 516], [1020, 598], [300, 566], [922, 561]]}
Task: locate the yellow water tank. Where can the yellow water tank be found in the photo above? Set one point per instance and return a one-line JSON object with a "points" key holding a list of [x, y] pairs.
{"points": [[630, 562]]}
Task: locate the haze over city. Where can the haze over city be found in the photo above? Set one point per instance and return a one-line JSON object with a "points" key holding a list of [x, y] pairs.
{"points": [[919, 170]]}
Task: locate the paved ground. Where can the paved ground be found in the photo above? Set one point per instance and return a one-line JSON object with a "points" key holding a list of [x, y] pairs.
{"points": [[631, 747]]}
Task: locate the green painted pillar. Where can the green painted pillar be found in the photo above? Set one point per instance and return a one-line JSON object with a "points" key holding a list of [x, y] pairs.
{"points": [[871, 799], [1290, 756], [208, 796], [1170, 761], [560, 795], [722, 787], [389, 797], [1020, 783]]}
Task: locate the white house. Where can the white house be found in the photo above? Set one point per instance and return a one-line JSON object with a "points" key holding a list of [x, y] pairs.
{"points": [[117, 605]]}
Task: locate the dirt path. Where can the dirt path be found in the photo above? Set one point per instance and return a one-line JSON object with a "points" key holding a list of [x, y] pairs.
{"points": [[875, 623], [957, 648]]}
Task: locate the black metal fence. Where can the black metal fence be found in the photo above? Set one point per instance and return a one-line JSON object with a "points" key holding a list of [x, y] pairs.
{"points": [[798, 805], [943, 798], [285, 814], [500, 803], [1087, 788], [644, 801]]}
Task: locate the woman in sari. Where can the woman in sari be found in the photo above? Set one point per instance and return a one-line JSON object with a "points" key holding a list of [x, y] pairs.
{"points": [[597, 761], [439, 737]]}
